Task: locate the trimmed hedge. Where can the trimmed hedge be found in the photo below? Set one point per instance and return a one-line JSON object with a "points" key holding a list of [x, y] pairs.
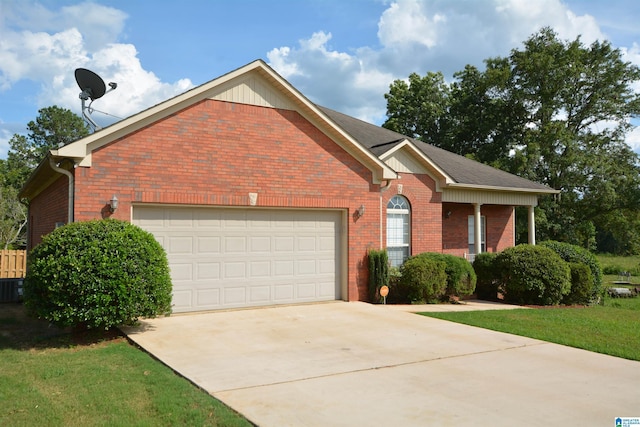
{"points": [[423, 279], [97, 274], [531, 274], [487, 284], [572, 253], [461, 278]]}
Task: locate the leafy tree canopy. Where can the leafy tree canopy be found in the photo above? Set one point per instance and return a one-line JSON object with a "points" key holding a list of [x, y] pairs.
{"points": [[556, 112], [53, 128]]}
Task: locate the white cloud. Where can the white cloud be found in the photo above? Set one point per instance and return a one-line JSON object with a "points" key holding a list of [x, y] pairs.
{"points": [[421, 36], [334, 79], [46, 46], [5, 136]]}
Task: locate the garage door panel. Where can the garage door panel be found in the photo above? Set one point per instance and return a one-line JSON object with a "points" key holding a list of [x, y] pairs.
{"points": [[207, 270], [260, 244], [235, 244], [208, 298], [235, 296], [284, 268], [208, 245], [260, 294], [181, 245], [222, 257], [260, 269], [234, 270]]}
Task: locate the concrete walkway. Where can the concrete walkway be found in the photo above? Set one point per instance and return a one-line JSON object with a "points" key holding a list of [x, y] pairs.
{"points": [[355, 364]]}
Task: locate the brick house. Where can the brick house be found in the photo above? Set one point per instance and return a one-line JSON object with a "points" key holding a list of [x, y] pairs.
{"points": [[262, 197]]}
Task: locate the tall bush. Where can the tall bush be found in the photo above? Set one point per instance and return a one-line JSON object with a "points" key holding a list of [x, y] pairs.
{"points": [[423, 279], [378, 272], [487, 282], [572, 253], [581, 284], [531, 274], [97, 274], [461, 278]]}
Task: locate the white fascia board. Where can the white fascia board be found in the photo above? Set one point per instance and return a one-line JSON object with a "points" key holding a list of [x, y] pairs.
{"points": [[507, 189]]}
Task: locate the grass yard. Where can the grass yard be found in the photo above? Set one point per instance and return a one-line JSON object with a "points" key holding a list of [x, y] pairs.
{"points": [[613, 264], [57, 378], [612, 328]]}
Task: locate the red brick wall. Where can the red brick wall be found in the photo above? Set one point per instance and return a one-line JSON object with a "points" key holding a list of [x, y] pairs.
{"points": [[215, 153], [500, 223], [47, 209]]}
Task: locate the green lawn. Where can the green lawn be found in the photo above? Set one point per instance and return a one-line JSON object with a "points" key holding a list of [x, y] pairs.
{"points": [[612, 328], [54, 378]]}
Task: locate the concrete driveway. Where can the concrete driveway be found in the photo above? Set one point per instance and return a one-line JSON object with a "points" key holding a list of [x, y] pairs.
{"points": [[355, 364]]}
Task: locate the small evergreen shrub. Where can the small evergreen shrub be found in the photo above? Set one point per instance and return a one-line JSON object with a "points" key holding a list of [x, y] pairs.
{"points": [[378, 272], [531, 274], [97, 274], [487, 283], [423, 279], [461, 278], [572, 253], [581, 284]]}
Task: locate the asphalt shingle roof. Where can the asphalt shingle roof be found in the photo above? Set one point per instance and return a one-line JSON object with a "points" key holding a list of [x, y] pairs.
{"points": [[461, 169]]}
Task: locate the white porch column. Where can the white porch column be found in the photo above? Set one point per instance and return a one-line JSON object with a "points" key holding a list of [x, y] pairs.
{"points": [[532, 226], [477, 229]]}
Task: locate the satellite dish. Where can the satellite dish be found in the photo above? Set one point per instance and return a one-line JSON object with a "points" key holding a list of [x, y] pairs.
{"points": [[92, 87]]}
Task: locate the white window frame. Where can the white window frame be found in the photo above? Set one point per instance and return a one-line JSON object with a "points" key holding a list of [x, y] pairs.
{"points": [[398, 230], [471, 226]]}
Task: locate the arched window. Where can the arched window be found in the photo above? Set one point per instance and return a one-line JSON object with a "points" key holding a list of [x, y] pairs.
{"points": [[398, 230]]}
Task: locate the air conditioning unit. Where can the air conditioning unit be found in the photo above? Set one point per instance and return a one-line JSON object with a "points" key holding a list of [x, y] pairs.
{"points": [[11, 290]]}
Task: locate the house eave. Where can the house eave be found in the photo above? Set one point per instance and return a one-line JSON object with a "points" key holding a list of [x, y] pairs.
{"points": [[462, 186]]}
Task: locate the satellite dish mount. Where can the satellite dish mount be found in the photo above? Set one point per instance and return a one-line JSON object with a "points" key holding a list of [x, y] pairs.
{"points": [[92, 87]]}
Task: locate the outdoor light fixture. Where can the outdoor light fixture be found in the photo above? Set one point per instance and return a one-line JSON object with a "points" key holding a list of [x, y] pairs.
{"points": [[360, 210], [113, 203]]}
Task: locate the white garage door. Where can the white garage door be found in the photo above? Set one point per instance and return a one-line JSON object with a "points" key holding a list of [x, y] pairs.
{"points": [[226, 257]]}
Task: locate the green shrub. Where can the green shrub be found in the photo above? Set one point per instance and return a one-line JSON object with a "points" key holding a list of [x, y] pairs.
{"points": [[398, 293], [487, 283], [97, 274], [612, 269], [531, 274], [423, 279], [461, 278], [581, 284], [572, 253], [378, 272]]}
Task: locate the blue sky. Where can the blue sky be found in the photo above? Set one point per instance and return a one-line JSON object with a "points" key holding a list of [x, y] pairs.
{"points": [[342, 54]]}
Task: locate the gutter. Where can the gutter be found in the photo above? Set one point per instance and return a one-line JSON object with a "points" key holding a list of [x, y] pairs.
{"points": [[69, 175]]}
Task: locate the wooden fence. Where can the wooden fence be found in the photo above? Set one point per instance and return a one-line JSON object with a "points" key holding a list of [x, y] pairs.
{"points": [[13, 264]]}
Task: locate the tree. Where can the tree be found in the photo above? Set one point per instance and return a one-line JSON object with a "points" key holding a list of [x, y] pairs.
{"points": [[13, 219], [418, 109], [555, 112], [53, 128]]}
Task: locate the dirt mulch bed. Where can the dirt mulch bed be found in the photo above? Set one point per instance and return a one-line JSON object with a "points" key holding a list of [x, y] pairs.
{"points": [[21, 332]]}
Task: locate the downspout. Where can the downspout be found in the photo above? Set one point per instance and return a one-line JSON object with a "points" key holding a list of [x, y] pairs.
{"points": [[382, 188], [69, 175]]}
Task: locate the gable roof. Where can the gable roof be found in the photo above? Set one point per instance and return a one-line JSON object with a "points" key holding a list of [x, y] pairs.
{"points": [[255, 83], [452, 169], [258, 84]]}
